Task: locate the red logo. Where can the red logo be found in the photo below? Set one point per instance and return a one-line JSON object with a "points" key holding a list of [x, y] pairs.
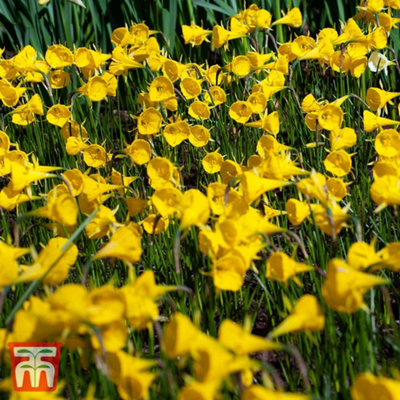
{"points": [[34, 365]]}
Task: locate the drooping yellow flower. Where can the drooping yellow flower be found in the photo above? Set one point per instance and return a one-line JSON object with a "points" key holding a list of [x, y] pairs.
{"points": [[306, 316], [47, 259], [377, 98], [344, 287], [221, 36], [330, 218], [25, 113], [269, 123], [180, 335], [293, 18], [281, 267], [9, 94], [297, 211], [372, 121], [241, 342], [61, 207], [8, 263], [124, 244], [194, 34], [101, 224], [194, 208]]}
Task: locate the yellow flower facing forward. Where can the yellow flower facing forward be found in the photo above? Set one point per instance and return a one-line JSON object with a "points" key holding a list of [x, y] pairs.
{"points": [[344, 287], [58, 56], [215, 96], [228, 272], [306, 316], [240, 111], [342, 138], [241, 342], [161, 173], [95, 156], [194, 34], [337, 188], [59, 79], [167, 201], [212, 162], [52, 257], [161, 89], [58, 115], [293, 19], [338, 163], [199, 135], [191, 88], [281, 267], [95, 88], [370, 387], [302, 45], [124, 245], [149, 122], [175, 133], [378, 98], [240, 66], [139, 151], [372, 121], [386, 191], [199, 110], [387, 143], [330, 117]]}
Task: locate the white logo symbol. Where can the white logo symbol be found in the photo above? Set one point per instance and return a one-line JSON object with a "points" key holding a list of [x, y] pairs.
{"points": [[35, 365]]}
